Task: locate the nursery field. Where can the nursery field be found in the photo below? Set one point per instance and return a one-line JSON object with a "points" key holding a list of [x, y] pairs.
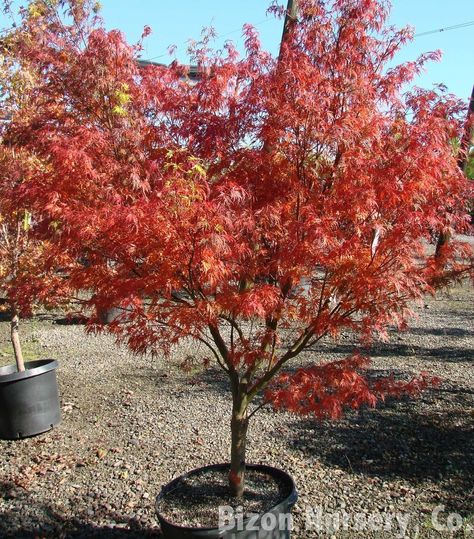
{"points": [[130, 424]]}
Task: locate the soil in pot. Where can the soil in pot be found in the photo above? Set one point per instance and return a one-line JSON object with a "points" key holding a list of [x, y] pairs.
{"points": [[195, 498]]}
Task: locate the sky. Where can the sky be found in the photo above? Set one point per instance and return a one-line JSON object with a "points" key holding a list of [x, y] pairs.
{"points": [[174, 22]]}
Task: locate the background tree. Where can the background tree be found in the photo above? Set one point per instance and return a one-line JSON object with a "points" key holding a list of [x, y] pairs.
{"points": [[17, 253], [26, 277], [262, 208], [464, 149]]}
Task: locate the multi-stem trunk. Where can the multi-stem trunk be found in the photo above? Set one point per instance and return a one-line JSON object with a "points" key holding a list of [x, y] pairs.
{"points": [[239, 426], [15, 338], [240, 420]]}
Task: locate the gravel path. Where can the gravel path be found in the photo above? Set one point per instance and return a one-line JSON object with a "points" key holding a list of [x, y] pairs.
{"points": [[131, 424]]}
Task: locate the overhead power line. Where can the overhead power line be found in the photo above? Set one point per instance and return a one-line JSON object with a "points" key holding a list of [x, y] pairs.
{"points": [[446, 29], [259, 23], [428, 32]]}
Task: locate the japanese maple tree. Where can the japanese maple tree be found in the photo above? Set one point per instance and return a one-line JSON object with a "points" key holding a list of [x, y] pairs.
{"points": [[17, 253], [26, 274], [259, 209]]}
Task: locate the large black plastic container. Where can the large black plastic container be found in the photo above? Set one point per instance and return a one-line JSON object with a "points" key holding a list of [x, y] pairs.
{"points": [[172, 531], [29, 400]]}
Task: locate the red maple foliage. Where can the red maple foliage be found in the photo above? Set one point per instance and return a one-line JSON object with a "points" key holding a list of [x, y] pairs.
{"points": [[338, 385], [258, 209], [27, 277], [23, 278]]}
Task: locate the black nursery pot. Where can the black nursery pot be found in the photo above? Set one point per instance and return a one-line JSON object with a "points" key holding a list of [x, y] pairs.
{"points": [[29, 400], [256, 528]]}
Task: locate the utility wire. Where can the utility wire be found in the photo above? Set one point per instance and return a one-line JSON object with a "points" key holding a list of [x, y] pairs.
{"points": [[446, 29], [259, 23]]}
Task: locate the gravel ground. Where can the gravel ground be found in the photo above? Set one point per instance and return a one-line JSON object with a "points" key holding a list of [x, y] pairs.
{"points": [[131, 424]]}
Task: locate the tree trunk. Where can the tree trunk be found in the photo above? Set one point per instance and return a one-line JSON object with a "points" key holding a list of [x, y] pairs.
{"points": [[15, 338], [239, 426], [443, 239], [240, 421]]}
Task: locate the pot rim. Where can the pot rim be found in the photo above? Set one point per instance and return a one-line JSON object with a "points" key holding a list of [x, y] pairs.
{"points": [[271, 470], [33, 368]]}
